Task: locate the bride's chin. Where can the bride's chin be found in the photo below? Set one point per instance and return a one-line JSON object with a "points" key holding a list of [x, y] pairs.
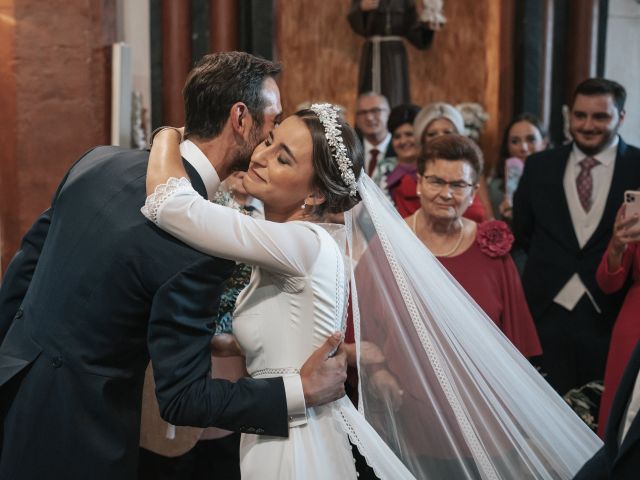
{"points": [[249, 185]]}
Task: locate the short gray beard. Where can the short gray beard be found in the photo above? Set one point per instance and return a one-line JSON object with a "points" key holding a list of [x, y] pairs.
{"points": [[242, 157]]}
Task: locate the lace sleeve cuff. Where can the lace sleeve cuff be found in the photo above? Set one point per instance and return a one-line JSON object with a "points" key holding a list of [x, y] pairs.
{"points": [[162, 193]]}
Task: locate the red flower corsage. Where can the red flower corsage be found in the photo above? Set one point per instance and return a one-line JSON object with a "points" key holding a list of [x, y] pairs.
{"points": [[494, 238]]}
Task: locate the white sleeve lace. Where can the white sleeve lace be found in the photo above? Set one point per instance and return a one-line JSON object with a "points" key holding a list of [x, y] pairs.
{"points": [[161, 194], [286, 248]]}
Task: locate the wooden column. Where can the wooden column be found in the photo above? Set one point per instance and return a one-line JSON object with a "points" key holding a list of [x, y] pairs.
{"points": [[223, 25], [582, 43], [507, 73], [54, 101], [176, 58], [9, 192]]}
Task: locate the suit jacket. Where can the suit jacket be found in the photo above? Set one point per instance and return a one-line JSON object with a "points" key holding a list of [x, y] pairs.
{"points": [[94, 292], [543, 227], [613, 461]]}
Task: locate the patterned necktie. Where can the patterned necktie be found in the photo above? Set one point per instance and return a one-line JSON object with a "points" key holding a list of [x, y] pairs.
{"points": [[373, 161], [584, 182]]}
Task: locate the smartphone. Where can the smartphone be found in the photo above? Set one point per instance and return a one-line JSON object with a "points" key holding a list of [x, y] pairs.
{"points": [[513, 168], [632, 202]]}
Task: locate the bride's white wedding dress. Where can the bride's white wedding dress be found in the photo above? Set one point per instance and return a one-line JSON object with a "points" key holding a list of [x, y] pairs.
{"points": [[296, 298]]}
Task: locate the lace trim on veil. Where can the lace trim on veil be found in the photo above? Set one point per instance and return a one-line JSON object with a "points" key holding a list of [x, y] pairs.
{"points": [[338, 413], [161, 194], [352, 436]]}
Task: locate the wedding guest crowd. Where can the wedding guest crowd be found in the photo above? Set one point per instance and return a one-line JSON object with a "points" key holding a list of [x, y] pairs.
{"points": [[559, 238]]}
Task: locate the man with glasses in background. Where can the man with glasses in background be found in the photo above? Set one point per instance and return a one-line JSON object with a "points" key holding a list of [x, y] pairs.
{"points": [[372, 113]]}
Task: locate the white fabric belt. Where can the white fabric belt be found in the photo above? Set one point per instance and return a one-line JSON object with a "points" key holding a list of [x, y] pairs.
{"points": [[376, 40]]}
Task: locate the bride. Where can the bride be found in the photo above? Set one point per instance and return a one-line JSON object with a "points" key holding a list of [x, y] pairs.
{"points": [[439, 362]]}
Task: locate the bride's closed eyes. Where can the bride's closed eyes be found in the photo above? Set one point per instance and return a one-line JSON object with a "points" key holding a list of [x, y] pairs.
{"points": [[283, 146]]}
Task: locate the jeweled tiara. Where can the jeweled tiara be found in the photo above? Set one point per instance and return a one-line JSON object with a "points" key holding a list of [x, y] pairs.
{"points": [[328, 115]]}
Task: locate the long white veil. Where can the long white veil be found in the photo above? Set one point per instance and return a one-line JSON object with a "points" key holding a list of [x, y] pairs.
{"points": [[472, 407]]}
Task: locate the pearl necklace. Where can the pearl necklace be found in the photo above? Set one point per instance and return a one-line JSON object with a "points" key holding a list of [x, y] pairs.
{"points": [[455, 247]]}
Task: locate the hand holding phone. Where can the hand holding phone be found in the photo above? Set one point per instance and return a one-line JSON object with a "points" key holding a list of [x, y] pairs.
{"points": [[626, 228], [632, 203]]}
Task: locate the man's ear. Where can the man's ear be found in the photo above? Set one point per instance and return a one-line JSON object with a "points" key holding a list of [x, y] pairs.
{"points": [[239, 118]]}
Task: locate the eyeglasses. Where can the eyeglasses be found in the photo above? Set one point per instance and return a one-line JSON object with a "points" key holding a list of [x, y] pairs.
{"points": [[436, 184], [373, 111]]}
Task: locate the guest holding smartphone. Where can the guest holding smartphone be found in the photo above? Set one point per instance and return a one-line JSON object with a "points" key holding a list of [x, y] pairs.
{"points": [[621, 261]]}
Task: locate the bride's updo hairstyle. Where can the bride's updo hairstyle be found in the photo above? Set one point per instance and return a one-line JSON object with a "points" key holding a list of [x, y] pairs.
{"points": [[327, 177]]}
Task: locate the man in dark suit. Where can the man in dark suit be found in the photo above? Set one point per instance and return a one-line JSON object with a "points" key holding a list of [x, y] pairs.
{"points": [[619, 458], [96, 290], [564, 210]]}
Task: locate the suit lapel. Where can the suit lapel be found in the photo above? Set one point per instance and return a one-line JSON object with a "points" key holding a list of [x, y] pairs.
{"points": [[556, 172], [619, 406], [196, 180], [632, 437]]}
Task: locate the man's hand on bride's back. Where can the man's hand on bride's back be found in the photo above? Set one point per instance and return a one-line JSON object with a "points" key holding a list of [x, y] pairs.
{"points": [[322, 375]]}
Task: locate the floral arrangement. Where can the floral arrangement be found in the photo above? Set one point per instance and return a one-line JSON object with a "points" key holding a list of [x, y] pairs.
{"points": [[494, 238]]}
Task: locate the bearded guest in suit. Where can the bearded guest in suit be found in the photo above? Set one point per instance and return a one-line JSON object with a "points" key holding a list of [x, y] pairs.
{"points": [[564, 211], [372, 114], [619, 458], [96, 290]]}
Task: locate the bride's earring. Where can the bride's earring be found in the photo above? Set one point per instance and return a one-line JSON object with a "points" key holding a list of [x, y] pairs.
{"points": [[418, 192], [304, 205]]}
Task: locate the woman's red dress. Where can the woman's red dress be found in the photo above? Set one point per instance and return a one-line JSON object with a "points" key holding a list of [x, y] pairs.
{"points": [[626, 331]]}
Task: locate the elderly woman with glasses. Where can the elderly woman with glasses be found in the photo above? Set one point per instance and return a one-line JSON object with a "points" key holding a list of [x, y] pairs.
{"points": [[439, 118], [476, 254]]}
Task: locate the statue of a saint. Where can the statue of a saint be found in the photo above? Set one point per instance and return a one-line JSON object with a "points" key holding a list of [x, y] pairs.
{"points": [[385, 24]]}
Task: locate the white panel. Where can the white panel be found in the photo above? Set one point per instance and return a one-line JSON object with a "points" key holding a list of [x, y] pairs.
{"points": [[121, 94], [136, 33], [623, 60], [624, 8]]}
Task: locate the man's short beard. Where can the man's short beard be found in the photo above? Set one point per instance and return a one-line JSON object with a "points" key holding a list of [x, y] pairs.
{"points": [[591, 151], [244, 153]]}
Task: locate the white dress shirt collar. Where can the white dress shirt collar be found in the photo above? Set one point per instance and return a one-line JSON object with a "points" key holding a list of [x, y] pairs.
{"points": [[605, 157], [381, 147], [198, 160]]}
